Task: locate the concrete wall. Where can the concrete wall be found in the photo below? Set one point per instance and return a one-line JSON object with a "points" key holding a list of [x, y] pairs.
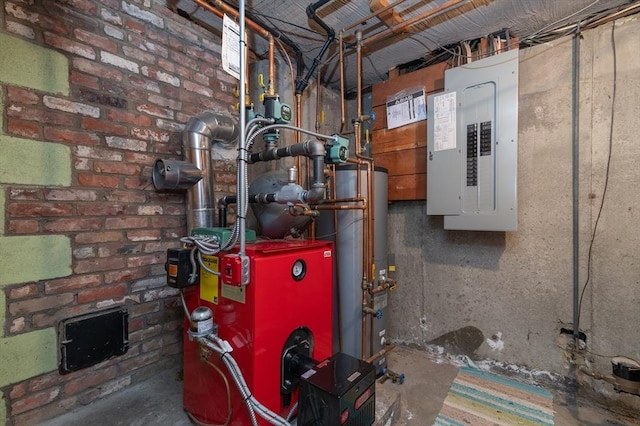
{"points": [[505, 296]]}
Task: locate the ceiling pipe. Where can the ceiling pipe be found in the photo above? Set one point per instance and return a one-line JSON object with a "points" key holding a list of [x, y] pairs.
{"points": [[278, 35], [331, 36], [219, 8]]}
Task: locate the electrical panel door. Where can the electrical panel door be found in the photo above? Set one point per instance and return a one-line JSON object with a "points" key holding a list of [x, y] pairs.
{"points": [[472, 146]]}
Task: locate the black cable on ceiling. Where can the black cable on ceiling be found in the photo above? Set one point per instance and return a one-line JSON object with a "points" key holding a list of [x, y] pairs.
{"points": [[275, 18]]}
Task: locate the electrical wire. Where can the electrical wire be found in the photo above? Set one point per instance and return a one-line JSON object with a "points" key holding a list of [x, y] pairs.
{"points": [[264, 129], [275, 18], [223, 348], [606, 178], [380, 76], [346, 225], [292, 411], [536, 37], [286, 57], [600, 355]]}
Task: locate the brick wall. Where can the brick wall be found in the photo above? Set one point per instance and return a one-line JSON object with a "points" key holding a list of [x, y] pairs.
{"points": [[137, 73]]}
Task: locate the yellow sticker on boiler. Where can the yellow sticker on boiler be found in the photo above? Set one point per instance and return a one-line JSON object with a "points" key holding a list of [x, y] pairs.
{"points": [[209, 281]]}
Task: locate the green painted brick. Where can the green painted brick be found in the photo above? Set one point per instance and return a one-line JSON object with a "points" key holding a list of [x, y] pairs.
{"points": [[29, 65], [3, 312], [33, 258], [2, 224], [1, 114], [27, 355], [3, 410], [29, 162]]}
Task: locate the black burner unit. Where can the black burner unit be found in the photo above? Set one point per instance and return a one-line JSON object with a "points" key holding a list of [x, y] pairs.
{"points": [[338, 391]]}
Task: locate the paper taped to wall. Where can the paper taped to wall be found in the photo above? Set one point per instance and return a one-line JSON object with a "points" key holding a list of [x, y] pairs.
{"points": [[407, 106]]}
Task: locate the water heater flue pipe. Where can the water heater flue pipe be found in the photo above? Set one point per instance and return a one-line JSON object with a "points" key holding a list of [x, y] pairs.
{"points": [[197, 139]]}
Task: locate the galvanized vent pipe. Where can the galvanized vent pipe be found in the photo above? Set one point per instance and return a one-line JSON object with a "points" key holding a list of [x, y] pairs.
{"points": [[197, 139], [196, 172]]}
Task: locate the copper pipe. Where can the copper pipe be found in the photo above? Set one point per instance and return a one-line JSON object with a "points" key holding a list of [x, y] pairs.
{"points": [[362, 200], [365, 212], [366, 236], [380, 353], [619, 14], [359, 84], [293, 90], [205, 358], [373, 15], [219, 8], [599, 376], [339, 207], [401, 27], [286, 56], [381, 287], [369, 238], [272, 67]]}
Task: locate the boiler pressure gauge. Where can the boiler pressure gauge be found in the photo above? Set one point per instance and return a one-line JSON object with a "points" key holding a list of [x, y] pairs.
{"points": [[298, 269]]}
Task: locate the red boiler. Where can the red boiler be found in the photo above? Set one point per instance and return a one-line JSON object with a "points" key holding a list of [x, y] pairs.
{"points": [[287, 306]]}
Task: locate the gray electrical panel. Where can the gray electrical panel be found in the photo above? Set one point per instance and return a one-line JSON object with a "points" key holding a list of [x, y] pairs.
{"points": [[472, 145]]}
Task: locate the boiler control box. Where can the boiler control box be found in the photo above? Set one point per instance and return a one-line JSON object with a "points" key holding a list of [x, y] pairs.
{"points": [[179, 268], [234, 269]]}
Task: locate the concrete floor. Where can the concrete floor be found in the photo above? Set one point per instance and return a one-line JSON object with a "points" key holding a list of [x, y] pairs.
{"points": [[158, 401]]}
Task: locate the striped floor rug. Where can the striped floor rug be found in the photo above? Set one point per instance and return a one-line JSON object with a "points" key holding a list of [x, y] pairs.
{"points": [[480, 398]]}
